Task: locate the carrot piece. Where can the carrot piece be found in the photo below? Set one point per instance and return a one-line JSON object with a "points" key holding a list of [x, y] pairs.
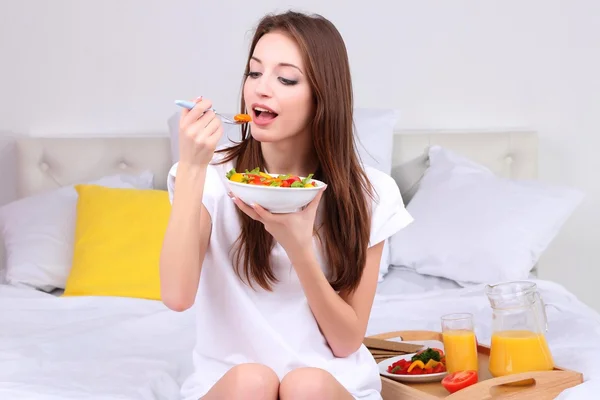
{"points": [[242, 118]]}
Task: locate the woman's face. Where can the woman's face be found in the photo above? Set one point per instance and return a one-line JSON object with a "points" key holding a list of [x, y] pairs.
{"points": [[276, 92]]}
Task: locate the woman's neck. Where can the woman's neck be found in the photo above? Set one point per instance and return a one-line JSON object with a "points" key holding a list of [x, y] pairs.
{"points": [[294, 156]]}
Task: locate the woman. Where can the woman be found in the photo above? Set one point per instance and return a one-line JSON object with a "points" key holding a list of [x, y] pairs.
{"points": [[282, 300]]}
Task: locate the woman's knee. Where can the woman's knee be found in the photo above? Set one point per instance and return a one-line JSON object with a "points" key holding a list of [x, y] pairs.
{"points": [[256, 379], [309, 383], [249, 381]]}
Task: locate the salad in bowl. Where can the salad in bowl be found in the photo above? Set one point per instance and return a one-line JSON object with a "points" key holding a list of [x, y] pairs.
{"points": [[277, 193]]}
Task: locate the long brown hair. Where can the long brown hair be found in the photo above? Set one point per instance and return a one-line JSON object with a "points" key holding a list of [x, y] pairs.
{"points": [[346, 226]]}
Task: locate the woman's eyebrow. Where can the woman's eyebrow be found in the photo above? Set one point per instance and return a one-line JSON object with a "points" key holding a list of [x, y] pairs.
{"points": [[282, 64]]}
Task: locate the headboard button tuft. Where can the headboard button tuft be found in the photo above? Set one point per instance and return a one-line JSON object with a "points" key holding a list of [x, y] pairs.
{"points": [[44, 166], [123, 165], [508, 160]]}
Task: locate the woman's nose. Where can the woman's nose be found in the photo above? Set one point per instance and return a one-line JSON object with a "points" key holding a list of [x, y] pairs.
{"points": [[263, 87]]}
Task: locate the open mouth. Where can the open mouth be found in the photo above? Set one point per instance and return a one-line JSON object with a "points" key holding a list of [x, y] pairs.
{"points": [[263, 115]]}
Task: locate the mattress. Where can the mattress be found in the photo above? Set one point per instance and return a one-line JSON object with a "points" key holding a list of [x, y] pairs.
{"points": [[119, 348]]}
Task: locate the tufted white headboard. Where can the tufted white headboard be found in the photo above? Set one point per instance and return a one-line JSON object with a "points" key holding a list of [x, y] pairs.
{"points": [[47, 163], [509, 154], [512, 154], [40, 164]]}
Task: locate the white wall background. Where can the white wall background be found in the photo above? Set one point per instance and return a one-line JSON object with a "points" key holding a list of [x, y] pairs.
{"points": [[115, 66]]}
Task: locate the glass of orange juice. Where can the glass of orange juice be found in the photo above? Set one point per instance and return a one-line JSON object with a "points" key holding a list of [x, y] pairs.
{"points": [[460, 344]]}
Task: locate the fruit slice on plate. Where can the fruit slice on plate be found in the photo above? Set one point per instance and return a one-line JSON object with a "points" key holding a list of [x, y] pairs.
{"points": [[459, 380]]}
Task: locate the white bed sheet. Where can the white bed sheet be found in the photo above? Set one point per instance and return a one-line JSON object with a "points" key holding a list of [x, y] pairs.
{"points": [[404, 280], [91, 348], [117, 348]]}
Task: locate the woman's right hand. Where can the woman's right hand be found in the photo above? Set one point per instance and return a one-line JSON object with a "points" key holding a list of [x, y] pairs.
{"points": [[199, 134]]}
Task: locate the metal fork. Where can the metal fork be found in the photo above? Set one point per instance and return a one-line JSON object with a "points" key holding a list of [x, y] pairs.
{"points": [[189, 105]]}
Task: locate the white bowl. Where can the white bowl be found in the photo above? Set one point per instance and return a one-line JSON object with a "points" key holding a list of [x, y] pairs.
{"points": [[278, 200]]}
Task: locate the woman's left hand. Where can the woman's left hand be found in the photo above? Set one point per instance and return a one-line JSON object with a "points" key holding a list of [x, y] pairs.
{"points": [[293, 231]]}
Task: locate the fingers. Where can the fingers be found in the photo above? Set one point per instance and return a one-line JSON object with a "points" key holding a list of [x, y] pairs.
{"points": [[200, 126], [185, 111], [212, 123], [249, 211], [190, 116], [206, 119], [211, 133], [202, 123], [214, 138], [263, 214], [314, 204]]}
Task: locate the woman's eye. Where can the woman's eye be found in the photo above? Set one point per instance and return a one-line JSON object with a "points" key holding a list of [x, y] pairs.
{"points": [[253, 74], [287, 81]]}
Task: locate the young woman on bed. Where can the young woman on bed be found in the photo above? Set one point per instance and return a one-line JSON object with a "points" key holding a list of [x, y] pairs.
{"points": [[277, 317]]}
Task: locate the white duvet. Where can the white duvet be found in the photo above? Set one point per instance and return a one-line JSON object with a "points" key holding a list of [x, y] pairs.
{"points": [[119, 348], [90, 348]]}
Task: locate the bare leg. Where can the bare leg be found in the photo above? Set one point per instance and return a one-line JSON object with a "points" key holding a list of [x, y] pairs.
{"points": [[246, 381], [311, 384]]}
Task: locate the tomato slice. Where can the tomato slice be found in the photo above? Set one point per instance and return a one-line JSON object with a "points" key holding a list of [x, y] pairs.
{"points": [[459, 380], [439, 351], [439, 368], [433, 348], [291, 180]]}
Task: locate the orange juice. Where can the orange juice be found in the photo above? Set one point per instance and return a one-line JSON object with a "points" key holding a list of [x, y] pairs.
{"points": [[512, 352], [460, 347]]}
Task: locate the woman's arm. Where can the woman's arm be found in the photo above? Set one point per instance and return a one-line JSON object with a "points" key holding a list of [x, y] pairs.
{"points": [[342, 317], [186, 240]]}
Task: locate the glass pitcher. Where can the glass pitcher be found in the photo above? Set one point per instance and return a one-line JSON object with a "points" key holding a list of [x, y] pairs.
{"points": [[519, 324]]}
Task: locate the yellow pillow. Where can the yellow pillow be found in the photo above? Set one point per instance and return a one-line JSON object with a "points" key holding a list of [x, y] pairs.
{"points": [[118, 239]]}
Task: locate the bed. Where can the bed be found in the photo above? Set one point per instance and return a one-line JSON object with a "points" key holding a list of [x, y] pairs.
{"points": [[112, 347]]}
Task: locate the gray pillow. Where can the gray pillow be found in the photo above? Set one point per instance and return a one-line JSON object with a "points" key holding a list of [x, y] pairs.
{"points": [[408, 176]]}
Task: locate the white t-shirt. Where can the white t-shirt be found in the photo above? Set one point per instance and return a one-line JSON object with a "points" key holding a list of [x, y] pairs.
{"points": [[237, 324]]}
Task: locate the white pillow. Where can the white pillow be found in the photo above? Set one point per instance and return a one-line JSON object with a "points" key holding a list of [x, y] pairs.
{"points": [[474, 227], [374, 133], [39, 231]]}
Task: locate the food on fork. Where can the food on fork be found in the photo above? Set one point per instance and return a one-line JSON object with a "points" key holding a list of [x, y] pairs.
{"points": [[242, 118], [256, 177]]}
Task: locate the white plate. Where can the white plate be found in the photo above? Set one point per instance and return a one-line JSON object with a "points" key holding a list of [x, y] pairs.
{"points": [[383, 366]]}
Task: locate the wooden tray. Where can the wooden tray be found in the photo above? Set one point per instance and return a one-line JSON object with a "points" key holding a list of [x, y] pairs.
{"points": [[545, 384]]}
